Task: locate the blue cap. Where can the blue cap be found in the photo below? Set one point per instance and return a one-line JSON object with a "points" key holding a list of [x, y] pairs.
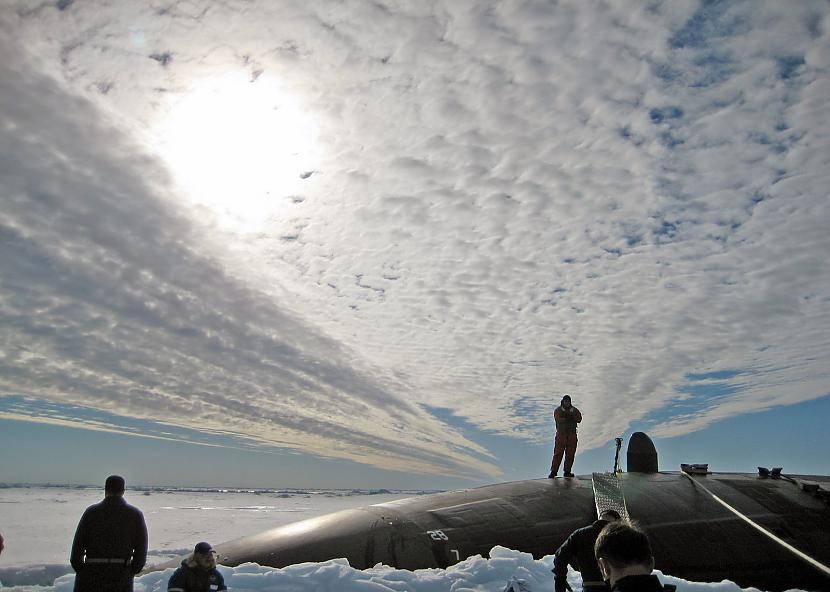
{"points": [[203, 548]]}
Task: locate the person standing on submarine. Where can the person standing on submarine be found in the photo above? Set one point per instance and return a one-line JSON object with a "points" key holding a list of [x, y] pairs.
{"points": [[566, 417]]}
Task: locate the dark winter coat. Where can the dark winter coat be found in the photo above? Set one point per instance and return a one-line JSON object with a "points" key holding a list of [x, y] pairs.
{"points": [[110, 547], [578, 550], [190, 577], [648, 583], [566, 419]]}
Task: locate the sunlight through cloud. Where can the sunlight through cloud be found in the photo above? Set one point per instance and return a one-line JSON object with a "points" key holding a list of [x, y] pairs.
{"points": [[238, 146]]}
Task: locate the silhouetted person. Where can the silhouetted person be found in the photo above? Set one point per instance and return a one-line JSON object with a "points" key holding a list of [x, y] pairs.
{"points": [[625, 559], [578, 550], [566, 417], [198, 572], [110, 545]]}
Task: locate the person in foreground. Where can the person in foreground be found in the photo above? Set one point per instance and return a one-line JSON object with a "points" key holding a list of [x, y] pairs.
{"points": [[110, 545], [566, 417], [578, 550], [625, 559], [198, 572]]}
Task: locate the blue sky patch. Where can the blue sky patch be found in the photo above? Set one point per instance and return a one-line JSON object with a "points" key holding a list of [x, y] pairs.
{"points": [[39, 409], [788, 66], [661, 115], [699, 391], [711, 21], [717, 375]]}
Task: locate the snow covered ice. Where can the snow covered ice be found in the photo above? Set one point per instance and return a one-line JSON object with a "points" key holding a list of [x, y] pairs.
{"points": [[474, 574], [39, 522]]}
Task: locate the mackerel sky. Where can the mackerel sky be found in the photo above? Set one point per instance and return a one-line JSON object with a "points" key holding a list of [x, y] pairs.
{"points": [[388, 236]]}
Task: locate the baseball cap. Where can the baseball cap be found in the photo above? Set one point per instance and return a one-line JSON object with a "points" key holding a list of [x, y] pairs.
{"points": [[203, 548]]}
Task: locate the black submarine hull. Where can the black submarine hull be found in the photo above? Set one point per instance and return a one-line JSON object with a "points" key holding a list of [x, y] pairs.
{"points": [[693, 536]]}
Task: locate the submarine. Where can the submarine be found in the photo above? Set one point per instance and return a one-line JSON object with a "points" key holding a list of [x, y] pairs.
{"points": [[766, 530]]}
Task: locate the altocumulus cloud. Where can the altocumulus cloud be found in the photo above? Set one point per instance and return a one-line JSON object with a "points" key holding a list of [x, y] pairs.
{"points": [[516, 200], [109, 302]]}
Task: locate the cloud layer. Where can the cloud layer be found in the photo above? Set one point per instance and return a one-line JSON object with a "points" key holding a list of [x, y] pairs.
{"points": [[510, 202]]}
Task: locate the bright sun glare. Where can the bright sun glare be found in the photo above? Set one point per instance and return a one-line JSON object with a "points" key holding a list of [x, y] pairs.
{"points": [[239, 147]]}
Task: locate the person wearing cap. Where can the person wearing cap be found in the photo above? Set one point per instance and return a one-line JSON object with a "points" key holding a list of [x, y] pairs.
{"points": [[197, 572], [578, 550], [566, 417], [110, 544]]}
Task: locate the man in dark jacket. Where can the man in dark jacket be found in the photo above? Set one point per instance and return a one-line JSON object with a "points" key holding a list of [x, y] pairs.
{"points": [[198, 573], [110, 545], [625, 559], [578, 550], [566, 417]]}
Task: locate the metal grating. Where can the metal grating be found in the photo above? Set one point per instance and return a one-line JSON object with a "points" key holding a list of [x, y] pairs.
{"points": [[608, 494]]}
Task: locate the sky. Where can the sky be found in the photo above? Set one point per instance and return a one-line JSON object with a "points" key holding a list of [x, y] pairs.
{"points": [[374, 243]]}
